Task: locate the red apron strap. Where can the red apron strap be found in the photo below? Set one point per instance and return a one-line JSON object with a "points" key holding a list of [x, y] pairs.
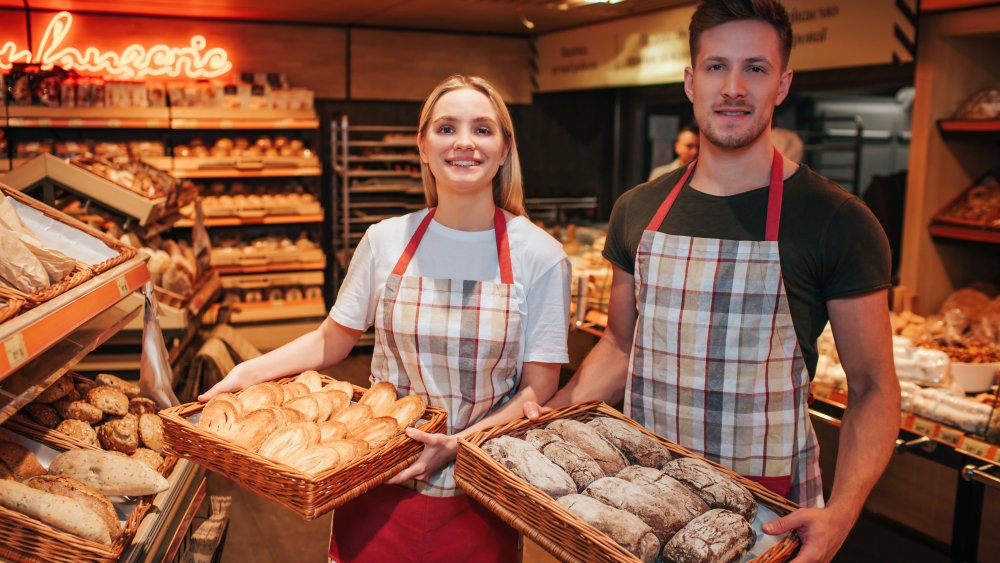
{"points": [[411, 247], [774, 198], [499, 229], [503, 247], [661, 213]]}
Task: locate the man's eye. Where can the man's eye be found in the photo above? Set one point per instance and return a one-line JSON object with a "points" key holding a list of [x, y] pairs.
{"points": [[715, 67], [757, 68]]}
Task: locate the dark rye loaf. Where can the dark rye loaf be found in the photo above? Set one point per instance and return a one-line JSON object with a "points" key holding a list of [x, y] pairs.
{"points": [[666, 488], [638, 447], [593, 444], [662, 516], [581, 467], [717, 536], [626, 529], [529, 464], [715, 488]]}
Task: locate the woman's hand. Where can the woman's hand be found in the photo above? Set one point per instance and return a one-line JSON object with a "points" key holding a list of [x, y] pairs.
{"points": [[235, 380], [439, 449]]}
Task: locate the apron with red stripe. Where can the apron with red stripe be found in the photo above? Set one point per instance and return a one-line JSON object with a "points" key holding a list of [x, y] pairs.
{"points": [[456, 344], [715, 362]]}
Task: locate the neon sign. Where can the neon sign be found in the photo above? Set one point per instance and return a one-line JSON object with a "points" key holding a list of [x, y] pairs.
{"points": [[135, 61]]}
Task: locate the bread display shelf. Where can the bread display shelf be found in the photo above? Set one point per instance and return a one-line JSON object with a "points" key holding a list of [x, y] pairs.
{"points": [[90, 117], [383, 144], [308, 496], [267, 281], [969, 129], [233, 118], [89, 185], [239, 164], [235, 173], [28, 335], [382, 158], [376, 173], [249, 221], [263, 311], [538, 516], [272, 268], [167, 521], [266, 256], [959, 232]]}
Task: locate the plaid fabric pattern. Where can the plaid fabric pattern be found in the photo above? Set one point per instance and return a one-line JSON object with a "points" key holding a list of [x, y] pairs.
{"points": [[715, 363], [453, 342]]}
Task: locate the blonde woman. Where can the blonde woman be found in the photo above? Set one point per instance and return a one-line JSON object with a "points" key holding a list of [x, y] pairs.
{"points": [[470, 303]]}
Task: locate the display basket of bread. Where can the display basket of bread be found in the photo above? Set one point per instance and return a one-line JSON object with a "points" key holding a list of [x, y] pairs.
{"points": [[586, 483], [35, 289], [106, 413], [70, 506], [310, 443], [10, 303], [978, 206]]}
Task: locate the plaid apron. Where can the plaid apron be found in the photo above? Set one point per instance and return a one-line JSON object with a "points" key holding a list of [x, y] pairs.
{"points": [[715, 363], [456, 343]]}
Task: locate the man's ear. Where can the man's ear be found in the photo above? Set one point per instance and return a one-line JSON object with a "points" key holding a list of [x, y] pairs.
{"points": [[784, 86], [689, 83]]}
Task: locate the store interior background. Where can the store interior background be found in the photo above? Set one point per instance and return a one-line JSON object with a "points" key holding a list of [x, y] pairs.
{"points": [[375, 60]]}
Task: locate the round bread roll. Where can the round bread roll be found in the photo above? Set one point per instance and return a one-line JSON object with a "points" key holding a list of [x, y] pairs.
{"points": [[120, 434], [141, 405], [151, 431], [79, 430], [149, 457], [130, 388], [109, 400], [78, 410]]}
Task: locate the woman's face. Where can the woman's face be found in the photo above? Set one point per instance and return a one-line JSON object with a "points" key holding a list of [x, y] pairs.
{"points": [[463, 145]]}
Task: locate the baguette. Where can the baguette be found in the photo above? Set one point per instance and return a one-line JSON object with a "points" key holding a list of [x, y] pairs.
{"points": [[54, 510], [21, 462], [111, 474], [88, 497]]}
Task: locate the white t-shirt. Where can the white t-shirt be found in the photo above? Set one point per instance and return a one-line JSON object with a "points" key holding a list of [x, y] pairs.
{"points": [[541, 275]]}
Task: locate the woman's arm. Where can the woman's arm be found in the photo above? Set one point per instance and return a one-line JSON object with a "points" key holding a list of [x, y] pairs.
{"points": [[329, 344]]}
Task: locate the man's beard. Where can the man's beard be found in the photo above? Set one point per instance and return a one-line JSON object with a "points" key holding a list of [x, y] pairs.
{"points": [[732, 139]]}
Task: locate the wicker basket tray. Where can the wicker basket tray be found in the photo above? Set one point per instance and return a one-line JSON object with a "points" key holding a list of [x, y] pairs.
{"points": [[10, 304], [308, 496], [25, 539], [546, 522]]}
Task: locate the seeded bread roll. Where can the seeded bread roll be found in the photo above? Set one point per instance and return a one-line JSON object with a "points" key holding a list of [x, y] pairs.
{"points": [[659, 514], [593, 444], [717, 536], [82, 386], [120, 434], [109, 473], [151, 431], [57, 390], [141, 405], [88, 497], [149, 457], [43, 414], [716, 489], [626, 529], [529, 464], [581, 467], [79, 430], [109, 400], [639, 448], [54, 510], [19, 460], [79, 410], [665, 488], [129, 388]]}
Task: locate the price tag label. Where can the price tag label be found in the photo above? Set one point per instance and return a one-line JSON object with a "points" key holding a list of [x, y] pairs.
{"points": [[950, 435], [906, 420], [122, 285], [822, 391], [226, 124], [15, 350], [75, 122], [924, 427], [114, 123], [44, 122], [996, 455], [154, 123], [975, 447]]}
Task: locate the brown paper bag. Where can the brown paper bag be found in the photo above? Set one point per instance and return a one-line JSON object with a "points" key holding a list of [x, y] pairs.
{"points": [[19, 267], [56, 264]]}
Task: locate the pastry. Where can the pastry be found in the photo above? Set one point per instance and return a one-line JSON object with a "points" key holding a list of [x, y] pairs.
{"points": [[267, 394], [313, 460], [353, 416], [380, 398], [79, 430], [407, 410], [151, 431], [220, 417], [348, 449], [332, 430], [376, 431], [256, 426], [293, 390], [311, 379], [284, 442], [342, 386], [109, 399], [305, 405]]}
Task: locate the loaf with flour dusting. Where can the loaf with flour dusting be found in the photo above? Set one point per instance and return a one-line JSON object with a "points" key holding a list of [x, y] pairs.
{"points": [[581, 467], [638, 447], [593, 444], [529, 464], [717, 536], [715, 488], [666, 488], [658, 513], [626, 529]]}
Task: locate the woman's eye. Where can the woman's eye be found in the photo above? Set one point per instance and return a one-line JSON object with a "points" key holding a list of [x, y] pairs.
{"points": [[446, 129], [483, 131]]}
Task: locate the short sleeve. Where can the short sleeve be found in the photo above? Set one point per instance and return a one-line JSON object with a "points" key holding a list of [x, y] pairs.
{"points": [[355, 306], [856, 255], [616, 247], [547, 322]]}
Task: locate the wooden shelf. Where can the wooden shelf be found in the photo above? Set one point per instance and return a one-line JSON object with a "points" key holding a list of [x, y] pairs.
{"points": [[271, 268], [969, 129], [381, 158], [964, 233], [235, 173], [280, 310], [30, 334], [385, 128], [400, 143], [91, 118], [246, 221], [375, 173], [222, 118]]}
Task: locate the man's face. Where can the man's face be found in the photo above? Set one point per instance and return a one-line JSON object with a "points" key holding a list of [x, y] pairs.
{"points": [[736, 82], [686, 146]]}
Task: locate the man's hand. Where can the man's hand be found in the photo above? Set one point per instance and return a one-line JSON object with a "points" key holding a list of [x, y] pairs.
{"points": [[821, 530], [439, 449], [533, 410]]}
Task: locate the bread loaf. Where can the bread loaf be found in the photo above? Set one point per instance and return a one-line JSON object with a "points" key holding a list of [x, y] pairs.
{"points": [[715, 488], [665, 488], [577, 464], [88, 497], [57, 390], [110, 474], [54, 510], [593, 444], [638, 447], [529, 464], [42, 414], [717, 536], [626, 529], [21, 462], [658, 513]]}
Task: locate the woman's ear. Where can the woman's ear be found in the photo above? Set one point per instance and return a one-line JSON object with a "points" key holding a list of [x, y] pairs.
{"points": [[420, 148]]}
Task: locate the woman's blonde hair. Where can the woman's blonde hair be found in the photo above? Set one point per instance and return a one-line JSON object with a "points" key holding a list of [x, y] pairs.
{"points": [[508, 188]]}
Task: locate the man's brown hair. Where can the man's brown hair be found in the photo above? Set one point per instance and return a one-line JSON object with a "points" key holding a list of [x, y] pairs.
{"points": [[712, 13]]}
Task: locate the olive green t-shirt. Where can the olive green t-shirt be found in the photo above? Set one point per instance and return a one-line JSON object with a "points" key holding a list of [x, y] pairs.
{"points": [[830, 243]]}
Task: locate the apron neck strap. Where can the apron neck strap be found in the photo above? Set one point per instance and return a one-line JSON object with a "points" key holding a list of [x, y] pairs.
{"points": [[773, 199], [499, 230]]}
